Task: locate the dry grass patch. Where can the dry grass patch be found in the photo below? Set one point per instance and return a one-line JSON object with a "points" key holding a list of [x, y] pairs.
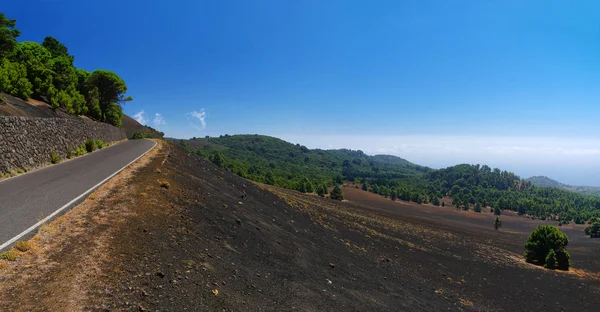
{"points": [[23, 246], [9, 255], [164, 184]]}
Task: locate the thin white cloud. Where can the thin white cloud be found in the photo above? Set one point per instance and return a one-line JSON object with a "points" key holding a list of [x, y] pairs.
{"points": [[158, 120], [201, 117], [140, 117]]}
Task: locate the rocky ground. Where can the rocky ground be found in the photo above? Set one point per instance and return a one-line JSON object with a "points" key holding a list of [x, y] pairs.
{"points": [[179, 234]]}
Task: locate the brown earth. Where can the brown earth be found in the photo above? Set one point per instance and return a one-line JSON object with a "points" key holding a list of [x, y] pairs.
{"points": [[208, 240]]}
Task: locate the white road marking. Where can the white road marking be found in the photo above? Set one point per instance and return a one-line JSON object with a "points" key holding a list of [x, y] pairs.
{"points": [[33, 227]]}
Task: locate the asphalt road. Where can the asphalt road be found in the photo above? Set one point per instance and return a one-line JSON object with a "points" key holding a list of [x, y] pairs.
{"points": [[27, 200]]}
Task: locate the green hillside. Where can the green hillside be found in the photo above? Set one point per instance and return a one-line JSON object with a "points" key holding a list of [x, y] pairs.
{"points": [[272, 160], [547, 182], [471, 187]]}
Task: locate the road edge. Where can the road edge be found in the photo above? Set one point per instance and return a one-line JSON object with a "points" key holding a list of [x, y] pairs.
{"points": [[69, 204]]}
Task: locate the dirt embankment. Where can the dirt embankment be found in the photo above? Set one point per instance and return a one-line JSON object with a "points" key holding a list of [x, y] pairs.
{"points": [[181, 234]]}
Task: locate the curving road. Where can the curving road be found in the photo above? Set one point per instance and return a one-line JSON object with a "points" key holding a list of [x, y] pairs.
{"points": [[29, 200]]}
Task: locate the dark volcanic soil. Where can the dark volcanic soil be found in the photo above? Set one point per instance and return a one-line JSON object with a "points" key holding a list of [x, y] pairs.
{"points": [[299, 252], [212, 241]]}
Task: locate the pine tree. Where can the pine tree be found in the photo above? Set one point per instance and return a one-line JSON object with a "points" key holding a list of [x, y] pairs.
{"points": [[497, 223], [337, 193]]}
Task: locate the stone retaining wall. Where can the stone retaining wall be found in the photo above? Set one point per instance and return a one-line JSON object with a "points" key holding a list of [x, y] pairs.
{"points": [[27, 142]]}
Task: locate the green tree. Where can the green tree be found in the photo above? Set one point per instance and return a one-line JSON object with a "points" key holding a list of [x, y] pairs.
{"points": [[443, 204], [305, 186], [320, 191], [393, 196], [269, 179], [36, 60], [110, 90], [64, 73], [436, 201], [497, 211], [13, 79], [477, 207], [551, 260], [497, 223], [594, 230], [365, 187], [541, 241], [56, 48], [337, 193], [218, 159], [8, 35]]}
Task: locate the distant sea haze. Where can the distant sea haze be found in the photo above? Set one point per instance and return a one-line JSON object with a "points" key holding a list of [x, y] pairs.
{"points": [[572, 161]]}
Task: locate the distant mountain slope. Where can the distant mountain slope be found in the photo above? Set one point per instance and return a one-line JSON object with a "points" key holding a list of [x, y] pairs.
{"points": [[547, 182], [269, 159]]}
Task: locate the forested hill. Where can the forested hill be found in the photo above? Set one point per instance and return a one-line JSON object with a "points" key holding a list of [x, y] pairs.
{"points": [[269, 159], [471, 187], [547, 182]]}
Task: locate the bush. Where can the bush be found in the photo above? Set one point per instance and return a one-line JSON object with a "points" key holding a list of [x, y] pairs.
{"points": [[80, 151], [69, 153], [137, 135], [100, 144], [23, 246], [9, 255], [54, 157], [90, 145], [543, 240]]}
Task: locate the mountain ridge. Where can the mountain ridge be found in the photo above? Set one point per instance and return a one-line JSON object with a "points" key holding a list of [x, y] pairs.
{"points": [[544, 181]]}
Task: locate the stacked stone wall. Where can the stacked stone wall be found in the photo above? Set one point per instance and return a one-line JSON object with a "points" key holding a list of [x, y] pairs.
{"points": [[27, 142]]}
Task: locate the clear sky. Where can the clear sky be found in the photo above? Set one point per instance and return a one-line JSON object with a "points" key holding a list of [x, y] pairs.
{"points": [[512, 84]]}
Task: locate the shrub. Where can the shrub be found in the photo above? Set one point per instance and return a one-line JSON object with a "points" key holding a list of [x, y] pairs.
{"points": [[90, 145], [69, 153], [137, 135], [80, 151], [54, 157], [543, 240], [23, 246], [9, 255], [100, 144], [20, 170], [164, 184], [497, 223]]}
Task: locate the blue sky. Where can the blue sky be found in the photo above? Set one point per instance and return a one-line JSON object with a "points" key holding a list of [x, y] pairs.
{"points": [[513, 84]]}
